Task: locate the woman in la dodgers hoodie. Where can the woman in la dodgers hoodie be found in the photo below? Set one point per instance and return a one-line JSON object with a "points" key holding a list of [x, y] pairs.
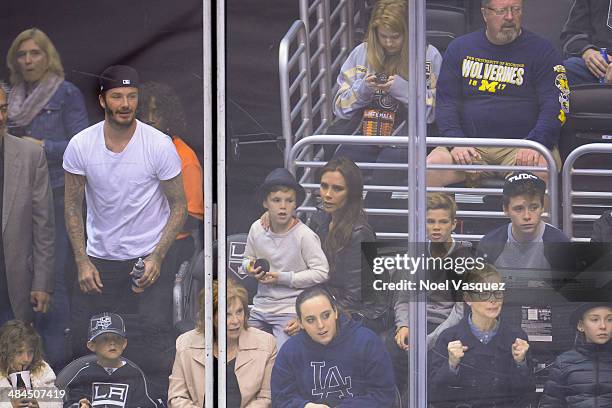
{"points": [[333, 362]]}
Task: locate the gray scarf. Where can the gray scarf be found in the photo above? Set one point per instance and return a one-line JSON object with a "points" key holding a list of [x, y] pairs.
{"points": [[22, 110]]}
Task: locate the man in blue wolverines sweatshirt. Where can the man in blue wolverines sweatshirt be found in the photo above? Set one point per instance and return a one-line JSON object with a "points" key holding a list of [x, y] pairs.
{"points": [[503, 82]]}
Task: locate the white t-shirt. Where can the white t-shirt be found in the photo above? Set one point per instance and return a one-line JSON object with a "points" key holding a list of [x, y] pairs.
{"points": [[126, 207]]}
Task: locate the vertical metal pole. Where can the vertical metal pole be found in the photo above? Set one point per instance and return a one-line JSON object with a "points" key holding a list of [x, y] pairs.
{"points": [[421, 195], [208, 200], [412, 240], [304, 16], [350, 26], [417, 132], [325, 61], [221, 207]]}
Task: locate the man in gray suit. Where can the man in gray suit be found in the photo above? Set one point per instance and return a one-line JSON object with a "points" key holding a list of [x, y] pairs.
{"points": [[27, 236]]}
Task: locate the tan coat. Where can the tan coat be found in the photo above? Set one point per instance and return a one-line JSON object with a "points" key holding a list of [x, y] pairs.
{"points": [[254, 362], [27, 224]]}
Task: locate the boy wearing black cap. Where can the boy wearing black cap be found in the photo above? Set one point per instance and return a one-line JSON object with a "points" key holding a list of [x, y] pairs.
{"points": [[582, 377], [109, 381], [521, 243], [293, 251]]}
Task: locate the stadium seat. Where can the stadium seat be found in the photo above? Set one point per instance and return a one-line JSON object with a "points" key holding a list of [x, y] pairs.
{"points": [[590, 117], [444, 23], [187, 284], [235, 252], [547, 18], [190, 279], [589, 121]]}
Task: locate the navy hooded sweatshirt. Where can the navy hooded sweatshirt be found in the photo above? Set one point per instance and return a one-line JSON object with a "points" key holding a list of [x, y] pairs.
{"points": [[353, 370], [512, 91]]}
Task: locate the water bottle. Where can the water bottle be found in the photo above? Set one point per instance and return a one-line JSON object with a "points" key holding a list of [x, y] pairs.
{"points": [[136, 274], [604, 54]]}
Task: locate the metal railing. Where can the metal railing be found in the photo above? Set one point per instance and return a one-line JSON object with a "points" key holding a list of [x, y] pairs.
{"points": [[313, 50], [289, 86], [308, 206], [319, 38], [569, 194]]}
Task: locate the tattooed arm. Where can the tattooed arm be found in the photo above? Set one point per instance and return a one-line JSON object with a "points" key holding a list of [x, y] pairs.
{"points": [[74, 189], [173, 189]]}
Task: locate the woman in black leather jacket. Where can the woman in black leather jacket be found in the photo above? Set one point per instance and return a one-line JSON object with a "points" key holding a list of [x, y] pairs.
{"points": [[342, 226], [582, 377]]}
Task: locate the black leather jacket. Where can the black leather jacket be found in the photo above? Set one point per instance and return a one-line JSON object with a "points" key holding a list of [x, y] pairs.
{"points": [[345, 270]]}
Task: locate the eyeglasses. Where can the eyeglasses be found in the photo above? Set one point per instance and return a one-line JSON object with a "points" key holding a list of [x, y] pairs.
{"points": [[516, 10], [486, 295]]}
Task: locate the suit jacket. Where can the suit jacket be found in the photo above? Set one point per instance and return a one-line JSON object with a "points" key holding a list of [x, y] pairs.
{"points": [[256, 355], [27, 224]]}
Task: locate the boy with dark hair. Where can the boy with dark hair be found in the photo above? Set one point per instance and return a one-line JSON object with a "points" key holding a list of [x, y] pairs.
{"points": [[443, 307], [293, 252], [110, 380], [522, 241], [442, 311]]}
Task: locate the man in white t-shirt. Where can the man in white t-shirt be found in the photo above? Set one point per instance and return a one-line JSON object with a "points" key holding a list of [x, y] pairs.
{"points": [[130, 174]]}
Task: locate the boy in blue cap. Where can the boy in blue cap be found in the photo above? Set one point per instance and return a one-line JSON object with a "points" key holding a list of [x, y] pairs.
{"points": [[110, 380]]}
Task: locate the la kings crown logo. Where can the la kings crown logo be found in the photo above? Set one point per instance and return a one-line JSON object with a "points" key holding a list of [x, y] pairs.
{"points": [[334, 382], [101, 323]]}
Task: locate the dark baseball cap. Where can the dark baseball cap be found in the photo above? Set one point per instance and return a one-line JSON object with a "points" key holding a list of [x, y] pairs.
{"points": [[519, 178], [281, 177], [117, 76], [106, 323], [582, 308]]}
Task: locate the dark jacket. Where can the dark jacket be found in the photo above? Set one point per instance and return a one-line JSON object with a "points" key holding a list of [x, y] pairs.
{"points": [[61, 118], [436, 313], [580, 378], [488, 376], [602, 228], [353, 370], [125, 387], [492, 245], [345, 269], [587, 27]]}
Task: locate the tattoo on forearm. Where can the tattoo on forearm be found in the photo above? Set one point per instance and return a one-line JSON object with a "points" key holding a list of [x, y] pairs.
{"points": [[73, 212], [173, 189]]}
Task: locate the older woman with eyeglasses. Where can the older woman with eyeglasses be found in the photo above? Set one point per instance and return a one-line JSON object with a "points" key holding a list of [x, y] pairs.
{"points": [[250, 357], [482, 361]]}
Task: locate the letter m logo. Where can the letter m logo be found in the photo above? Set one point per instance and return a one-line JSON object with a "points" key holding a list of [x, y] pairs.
{"points": [[488, 86]]}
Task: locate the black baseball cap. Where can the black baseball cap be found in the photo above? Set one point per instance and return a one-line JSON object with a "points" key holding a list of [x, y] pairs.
{"points": [[106, 323], [117, 76], [519, 178]]}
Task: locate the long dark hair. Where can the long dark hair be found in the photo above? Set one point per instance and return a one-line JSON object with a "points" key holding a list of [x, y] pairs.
{"points": [[351, 213]]}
